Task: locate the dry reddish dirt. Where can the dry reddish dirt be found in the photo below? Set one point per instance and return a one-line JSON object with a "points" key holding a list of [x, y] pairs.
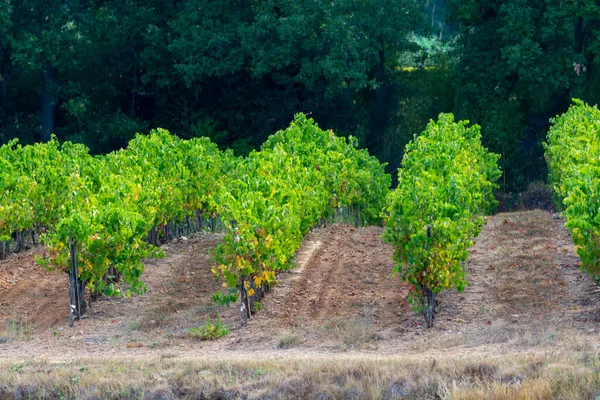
{"points": [[181, 280], [347, 276], [526, 292], [30, 293], [524, 272]]}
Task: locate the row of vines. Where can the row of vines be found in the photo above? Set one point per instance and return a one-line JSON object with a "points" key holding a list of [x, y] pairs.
{"points": [[106, 211], [109, 211], [444, 187], [573, 156], [300, 176]]}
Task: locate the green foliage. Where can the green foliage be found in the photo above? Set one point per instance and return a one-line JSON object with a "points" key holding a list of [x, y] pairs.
{"points": [[572, 153], [37, 182], [301, 175], [225, 299], [520, 62], [238, 71], [346, 38], [107, 204], [94, 48], [444, 186], [210, 331]]}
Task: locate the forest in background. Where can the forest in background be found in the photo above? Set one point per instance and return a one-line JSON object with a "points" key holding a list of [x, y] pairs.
{"points": [[96, 72]]}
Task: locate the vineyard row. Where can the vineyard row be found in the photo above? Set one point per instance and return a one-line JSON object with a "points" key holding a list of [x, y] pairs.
{"points": [[109, 211]]}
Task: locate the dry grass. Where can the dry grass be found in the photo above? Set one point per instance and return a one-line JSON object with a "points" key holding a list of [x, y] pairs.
{"points": [[288, 339], [542, 376], [517, 338], [19, 329], [353, 332]]}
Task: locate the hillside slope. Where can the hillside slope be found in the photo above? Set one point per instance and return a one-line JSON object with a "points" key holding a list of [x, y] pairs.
{"points": [[526, 291]]}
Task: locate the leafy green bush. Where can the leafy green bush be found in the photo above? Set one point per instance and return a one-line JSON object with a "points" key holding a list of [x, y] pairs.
{"points": [[573, 155], [444, 186], [106, 204], [301, 175]]}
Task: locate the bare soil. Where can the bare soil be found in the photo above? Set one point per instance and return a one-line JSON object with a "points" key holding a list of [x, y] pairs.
{"points": [[527, 293], [347, 276]]}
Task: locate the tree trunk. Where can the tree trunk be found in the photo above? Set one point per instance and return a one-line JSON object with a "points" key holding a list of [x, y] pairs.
{"points": [[428, 297], [3, 250], [243, 306], [76, 288], [428, 303], [21, 244], [49, 101]]}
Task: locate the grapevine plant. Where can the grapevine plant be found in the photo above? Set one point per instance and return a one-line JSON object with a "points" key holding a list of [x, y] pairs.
{"points": [[573, 156], [156, 179], [444, 186], [111, 209], [106, 206], [35, 183], [276, 195]]}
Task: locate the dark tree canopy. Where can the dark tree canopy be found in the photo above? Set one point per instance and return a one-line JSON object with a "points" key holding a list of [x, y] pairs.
{"points": [[96, 72], [520, 63]]}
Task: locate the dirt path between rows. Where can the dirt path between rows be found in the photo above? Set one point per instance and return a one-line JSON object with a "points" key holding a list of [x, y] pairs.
{"points": [[348, 276], [527, 292]]}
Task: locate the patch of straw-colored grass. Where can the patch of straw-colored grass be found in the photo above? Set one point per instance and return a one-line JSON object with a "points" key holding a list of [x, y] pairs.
{"points": [[300, 376]]}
